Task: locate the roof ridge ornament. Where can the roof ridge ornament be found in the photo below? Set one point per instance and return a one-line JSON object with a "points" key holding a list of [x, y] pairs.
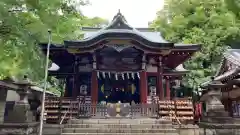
{"points": [[119, 22], [119, 14]]}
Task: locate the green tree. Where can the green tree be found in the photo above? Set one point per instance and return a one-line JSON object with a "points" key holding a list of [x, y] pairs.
{"points": [[234, 6], [96, 22], [24, 23], [208, 22]]}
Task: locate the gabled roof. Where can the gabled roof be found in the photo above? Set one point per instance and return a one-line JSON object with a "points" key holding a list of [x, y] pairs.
{"points": [[232, 55], [145, 32], [120, 29]]}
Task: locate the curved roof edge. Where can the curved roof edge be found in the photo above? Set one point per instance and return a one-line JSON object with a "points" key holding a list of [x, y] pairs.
{"points": [[52, 46], [120, 29], [233, 55], [187, 46], [117, 35], [87, 29]]}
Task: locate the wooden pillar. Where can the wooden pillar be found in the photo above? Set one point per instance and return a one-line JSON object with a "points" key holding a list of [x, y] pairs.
{"points": [[160, 79], [143, 86], [94, 87], [143, 81], [94, 81], [168, 92], [75, 79]]}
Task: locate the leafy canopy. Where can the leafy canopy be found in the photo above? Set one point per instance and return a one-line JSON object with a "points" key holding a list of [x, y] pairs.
{"points": [[24, 23], [208, 22]]}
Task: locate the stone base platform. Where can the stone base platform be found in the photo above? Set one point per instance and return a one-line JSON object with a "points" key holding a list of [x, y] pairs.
{"points": [[19, 128]]}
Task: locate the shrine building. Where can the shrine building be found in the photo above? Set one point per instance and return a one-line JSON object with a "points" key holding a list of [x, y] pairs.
{"points": [[226, 81], [119, 63]]}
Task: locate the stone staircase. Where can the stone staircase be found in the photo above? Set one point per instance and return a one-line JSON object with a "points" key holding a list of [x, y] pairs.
{"points": [[119, 127]]}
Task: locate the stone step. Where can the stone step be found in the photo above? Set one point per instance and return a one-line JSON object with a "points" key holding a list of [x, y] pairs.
{"points": [[132, 126], [120, 130], [120, 121], [119, 134], [217, 119]]}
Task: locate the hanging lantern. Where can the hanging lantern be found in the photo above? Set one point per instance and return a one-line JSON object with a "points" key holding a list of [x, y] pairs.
{"points": [[133, 88], [102, 88]]}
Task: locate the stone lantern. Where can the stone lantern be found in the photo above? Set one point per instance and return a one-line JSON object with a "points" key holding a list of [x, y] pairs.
{"points": [[215, 111], [20, 119], [21, 112]]}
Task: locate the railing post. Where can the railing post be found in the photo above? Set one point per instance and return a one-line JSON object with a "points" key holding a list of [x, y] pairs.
{"points": [[79, 107], [131, 107], [60, 109], [104, 107]]}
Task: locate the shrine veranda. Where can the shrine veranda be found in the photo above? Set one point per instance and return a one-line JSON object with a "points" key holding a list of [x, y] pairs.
{"points": [[119, 63]]}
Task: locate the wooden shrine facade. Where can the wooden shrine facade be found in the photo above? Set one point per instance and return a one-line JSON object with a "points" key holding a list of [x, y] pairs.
{"points": [[122, 55]]}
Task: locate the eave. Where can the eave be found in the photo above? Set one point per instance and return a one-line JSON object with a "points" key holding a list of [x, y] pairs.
{"points": [[58, 54], [97, 29], [175, 73], [180, 54], [95, 41], [228, 74], [186, 47], [233, 56]]}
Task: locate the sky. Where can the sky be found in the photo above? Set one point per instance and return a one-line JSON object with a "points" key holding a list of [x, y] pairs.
{"points": [[137, 12]]}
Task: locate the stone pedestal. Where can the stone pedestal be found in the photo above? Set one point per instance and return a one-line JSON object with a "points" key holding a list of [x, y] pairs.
{"points": [[20, 119], [215, 109], [3, 95], [19, 128], [216, 117], [21, 112]]}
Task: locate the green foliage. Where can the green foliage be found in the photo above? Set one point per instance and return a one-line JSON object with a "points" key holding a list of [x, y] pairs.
{"points": [[208, 22], [234, 6], [24, 23]]}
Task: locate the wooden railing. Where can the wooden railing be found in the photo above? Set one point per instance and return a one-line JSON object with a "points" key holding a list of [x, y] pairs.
{"points": [[111, 110], [63, 109]]}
